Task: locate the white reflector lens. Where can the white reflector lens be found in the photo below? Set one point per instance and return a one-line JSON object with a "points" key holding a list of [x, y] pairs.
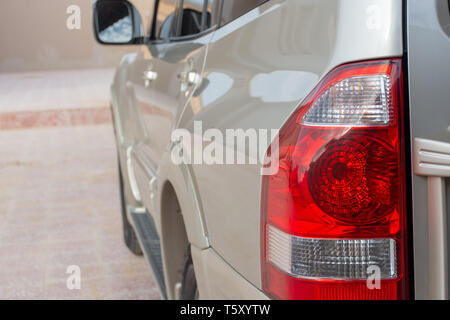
{"points": [[330, 258], [355, 101]]}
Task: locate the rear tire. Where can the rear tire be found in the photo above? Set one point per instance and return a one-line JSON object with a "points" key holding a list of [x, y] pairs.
{"points": [[129, 235], [189, 289]]}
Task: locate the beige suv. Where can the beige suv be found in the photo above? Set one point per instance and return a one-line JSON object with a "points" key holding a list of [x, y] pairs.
{"points": [[287, 149]]}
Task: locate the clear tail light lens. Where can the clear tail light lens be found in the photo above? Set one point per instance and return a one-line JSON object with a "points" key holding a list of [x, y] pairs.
{"points": [[336, 205], [330, 258], [354, 101]]}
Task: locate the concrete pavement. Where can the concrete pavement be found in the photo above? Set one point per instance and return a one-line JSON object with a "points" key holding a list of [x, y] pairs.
{"points": [[59, 200]]}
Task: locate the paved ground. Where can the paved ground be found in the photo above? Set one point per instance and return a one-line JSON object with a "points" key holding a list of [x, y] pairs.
{"points": [[59, 201]]}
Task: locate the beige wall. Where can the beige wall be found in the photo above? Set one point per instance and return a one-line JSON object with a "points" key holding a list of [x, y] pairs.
{"points": [[34, 36]]}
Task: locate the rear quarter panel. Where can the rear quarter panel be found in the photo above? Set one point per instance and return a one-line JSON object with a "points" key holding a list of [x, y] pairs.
{"points": [[260, 67]]}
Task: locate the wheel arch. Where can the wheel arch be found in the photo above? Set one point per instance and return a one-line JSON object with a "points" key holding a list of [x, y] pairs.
{"points": [[181, 220], [174, 238]]}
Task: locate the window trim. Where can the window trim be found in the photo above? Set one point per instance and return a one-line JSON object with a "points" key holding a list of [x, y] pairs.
{"points": [[152, 31], [218, 25], [235, 18], [178, 10], [153, 38], [193, 36]]}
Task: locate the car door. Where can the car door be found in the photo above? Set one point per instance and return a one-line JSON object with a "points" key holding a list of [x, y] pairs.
{"points": [[163, 81]]}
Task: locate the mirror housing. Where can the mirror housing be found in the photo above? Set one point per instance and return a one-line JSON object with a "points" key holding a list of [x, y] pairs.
{"points": [[117, 22]]}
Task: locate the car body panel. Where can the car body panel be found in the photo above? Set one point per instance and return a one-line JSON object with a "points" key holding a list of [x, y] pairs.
{"points": [[145, 114], [260, 66], [219, 281]]}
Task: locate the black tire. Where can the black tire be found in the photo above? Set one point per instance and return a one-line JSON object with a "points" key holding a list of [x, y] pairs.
{"points": [[129, 235], [189, 290]]}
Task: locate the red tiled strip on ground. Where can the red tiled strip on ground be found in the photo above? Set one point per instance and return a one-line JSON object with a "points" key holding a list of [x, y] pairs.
{"points": [[54, 118]]}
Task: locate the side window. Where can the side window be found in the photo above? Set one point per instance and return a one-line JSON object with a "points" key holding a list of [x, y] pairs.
{"points": [[191, 22], [233, 9], [198, 16], [165, 19]]}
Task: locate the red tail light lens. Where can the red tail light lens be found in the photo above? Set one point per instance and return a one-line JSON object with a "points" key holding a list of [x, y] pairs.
{"points": [[335, 208], [354, 179]]}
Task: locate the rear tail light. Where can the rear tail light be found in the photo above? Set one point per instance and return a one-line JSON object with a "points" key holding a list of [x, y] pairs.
{"points": [[335, 208]]}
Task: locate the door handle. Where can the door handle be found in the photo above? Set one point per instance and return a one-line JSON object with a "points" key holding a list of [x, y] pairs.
{"points": [[148, 76], [190, 78]]}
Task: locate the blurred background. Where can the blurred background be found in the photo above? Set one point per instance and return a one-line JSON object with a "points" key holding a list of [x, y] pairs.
{"points": [[35, 37], [59, 199]]}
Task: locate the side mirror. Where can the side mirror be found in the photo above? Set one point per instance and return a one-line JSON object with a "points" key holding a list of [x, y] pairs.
{"points": [[117, 22]]}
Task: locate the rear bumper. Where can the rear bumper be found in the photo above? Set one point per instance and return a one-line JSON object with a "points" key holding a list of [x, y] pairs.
{"points": [[216, 279]]}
